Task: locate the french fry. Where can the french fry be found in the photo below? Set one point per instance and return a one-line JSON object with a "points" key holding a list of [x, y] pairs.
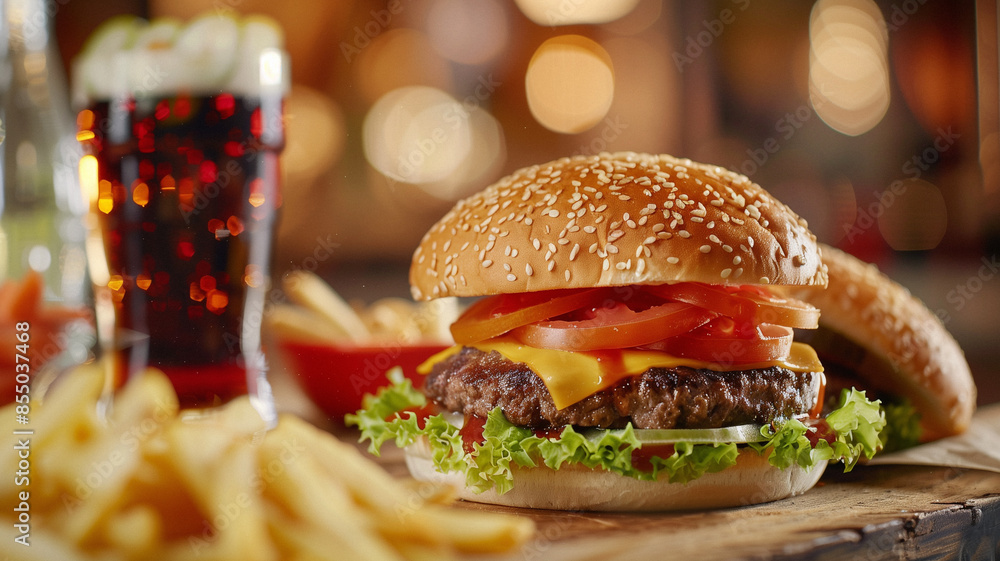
{"points": [[300, 324], [313, 293], [482, 532], [151, 483]]}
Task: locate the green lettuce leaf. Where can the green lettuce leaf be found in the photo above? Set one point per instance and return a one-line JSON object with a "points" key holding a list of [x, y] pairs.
{"points": [[854, 432], [902, 426], [505, 446]]}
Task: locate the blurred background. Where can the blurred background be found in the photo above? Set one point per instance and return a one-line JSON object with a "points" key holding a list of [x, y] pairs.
{"points": [[877, 121]]}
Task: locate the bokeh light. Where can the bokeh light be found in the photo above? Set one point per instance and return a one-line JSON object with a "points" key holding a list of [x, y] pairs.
{"points": [[570, 84], [416, 134], [848, 66], [422, 138], [563, 12], [316, 134]]}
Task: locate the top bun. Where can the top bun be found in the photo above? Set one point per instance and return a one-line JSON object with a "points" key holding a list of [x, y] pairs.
{"points": [[613, 220], [916, 356]]}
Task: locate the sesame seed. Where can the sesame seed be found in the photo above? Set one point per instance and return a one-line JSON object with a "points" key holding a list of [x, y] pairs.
{"points": [[536, 244], [705, 248], [673, 260], [528, 270], [684, 234], [589, 229], [607, 264], [506, 267], [664, 235], [714, 239], [506, 251], [725, 273], [750, 241], [513, 252], [727, 248], [718, 202], [697, 219], [551, 265], [737, 260], [611, 248], [573, 253], [592, 248], [620, 266], [739, 271], [528, 221], [764, 280], [566, 275], [487, 263], [512, 277]]}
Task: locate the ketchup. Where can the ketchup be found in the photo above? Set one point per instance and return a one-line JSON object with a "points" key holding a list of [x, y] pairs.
{"points": [[642, 458], [422, 414], [551, 432], [472, 432], [822, 431]]}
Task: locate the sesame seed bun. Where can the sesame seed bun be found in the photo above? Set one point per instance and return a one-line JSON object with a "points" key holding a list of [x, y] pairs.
{"points": [[613, 220], [911, 354]]}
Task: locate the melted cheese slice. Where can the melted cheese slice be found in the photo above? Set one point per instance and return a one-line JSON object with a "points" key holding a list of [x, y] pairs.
{"points": [[572, 376]]}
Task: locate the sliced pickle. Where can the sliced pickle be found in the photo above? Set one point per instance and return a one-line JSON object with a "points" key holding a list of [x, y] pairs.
{"points": [[738, 434]]}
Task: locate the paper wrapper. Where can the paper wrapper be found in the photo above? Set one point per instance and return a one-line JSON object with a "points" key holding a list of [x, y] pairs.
{"points": [[978, 448]]}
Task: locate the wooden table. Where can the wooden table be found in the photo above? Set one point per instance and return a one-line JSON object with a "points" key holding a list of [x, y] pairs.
{"points": [[873, 513]]}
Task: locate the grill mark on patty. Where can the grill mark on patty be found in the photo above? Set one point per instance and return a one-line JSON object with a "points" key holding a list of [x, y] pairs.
{"points": [[475, 382]]}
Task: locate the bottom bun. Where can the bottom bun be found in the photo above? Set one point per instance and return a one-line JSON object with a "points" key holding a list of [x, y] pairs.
{"points": [[751, 481]]}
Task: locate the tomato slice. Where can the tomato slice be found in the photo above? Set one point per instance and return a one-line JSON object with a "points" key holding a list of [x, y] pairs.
{"points": [[723, 341], [614, 327], [783, 311], [748, 304], [496, 315]]}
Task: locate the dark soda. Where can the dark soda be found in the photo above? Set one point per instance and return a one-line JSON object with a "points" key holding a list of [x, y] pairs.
{"points": [[186, 202]]}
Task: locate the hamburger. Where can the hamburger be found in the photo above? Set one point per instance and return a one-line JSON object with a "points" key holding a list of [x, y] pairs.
{"points": [[874, 334], [630, 348]]}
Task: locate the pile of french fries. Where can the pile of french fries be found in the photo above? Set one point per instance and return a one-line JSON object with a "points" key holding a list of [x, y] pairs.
{"points": [[149, 482], [316, 313]]}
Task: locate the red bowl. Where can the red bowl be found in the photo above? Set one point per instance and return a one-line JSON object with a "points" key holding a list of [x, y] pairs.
{"points": [[336, 377]]}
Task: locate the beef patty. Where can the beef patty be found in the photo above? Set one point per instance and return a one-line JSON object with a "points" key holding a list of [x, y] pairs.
{"points": [[475, 382]]}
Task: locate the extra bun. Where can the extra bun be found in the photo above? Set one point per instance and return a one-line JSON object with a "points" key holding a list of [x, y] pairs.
{"points": [[612, 220], [915, 355], [751, 481]]}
